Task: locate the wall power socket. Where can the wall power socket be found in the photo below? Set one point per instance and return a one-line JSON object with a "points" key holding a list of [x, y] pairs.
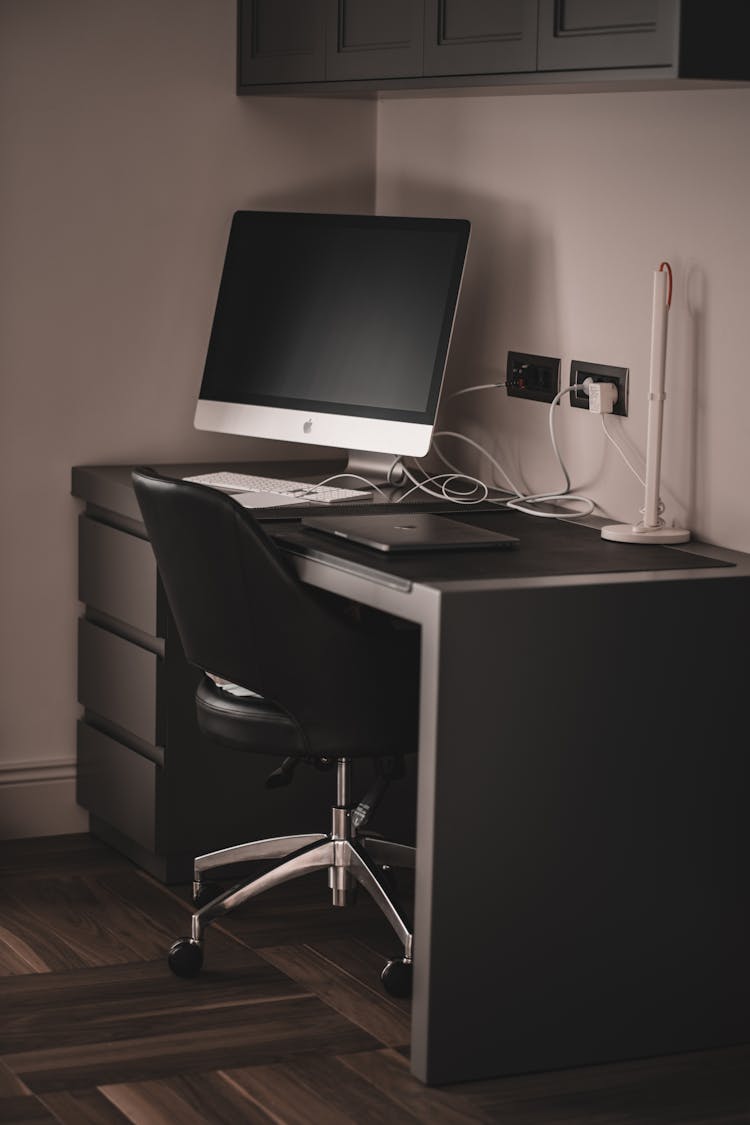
{"points": [[532, 376], [598, 373]]}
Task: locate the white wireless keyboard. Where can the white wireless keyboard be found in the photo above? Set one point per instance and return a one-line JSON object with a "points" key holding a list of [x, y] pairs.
{"points": [[291, 489]]}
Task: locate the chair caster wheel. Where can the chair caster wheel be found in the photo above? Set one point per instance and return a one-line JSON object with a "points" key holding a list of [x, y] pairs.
{"points": [[185, 957], [206, 893], [396, 978]]}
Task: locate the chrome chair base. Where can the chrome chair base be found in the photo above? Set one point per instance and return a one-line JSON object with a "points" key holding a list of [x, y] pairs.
{"points": [[351, 858]]}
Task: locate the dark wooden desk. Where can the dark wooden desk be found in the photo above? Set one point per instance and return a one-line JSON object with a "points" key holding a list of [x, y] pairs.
{"points": [[581, 793]]}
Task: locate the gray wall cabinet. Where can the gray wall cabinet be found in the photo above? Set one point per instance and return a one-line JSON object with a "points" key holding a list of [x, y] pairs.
{"points": [[359, 46]]}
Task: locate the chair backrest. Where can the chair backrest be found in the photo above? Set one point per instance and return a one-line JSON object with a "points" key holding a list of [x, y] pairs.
{"points": [[243, 614]]}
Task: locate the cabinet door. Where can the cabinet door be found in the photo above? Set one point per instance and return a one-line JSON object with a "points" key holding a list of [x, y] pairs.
{"points": [[593, 34], [373, 40], [480, 36], [280, 41]]}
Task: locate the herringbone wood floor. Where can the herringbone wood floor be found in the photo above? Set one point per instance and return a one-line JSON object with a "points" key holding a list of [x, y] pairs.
{"points": [[287, 1023]]}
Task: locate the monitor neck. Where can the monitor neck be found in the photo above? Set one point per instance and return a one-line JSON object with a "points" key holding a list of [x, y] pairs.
{"points": [[381, 468]]}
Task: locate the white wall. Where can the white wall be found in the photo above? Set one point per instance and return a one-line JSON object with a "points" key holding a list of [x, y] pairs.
{"points": [[124, 152], [575, 199]]}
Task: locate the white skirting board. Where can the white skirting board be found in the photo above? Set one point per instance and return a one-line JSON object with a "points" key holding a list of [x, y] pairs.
{"points": [[39, 799]]}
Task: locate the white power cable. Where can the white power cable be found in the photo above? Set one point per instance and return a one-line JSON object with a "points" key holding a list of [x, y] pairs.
{"points": [[477, 387], [341, 476], [485, 453], [634, 471], [446, 485], [566, 495], [445, 492], [621, 451], [518, 500]]}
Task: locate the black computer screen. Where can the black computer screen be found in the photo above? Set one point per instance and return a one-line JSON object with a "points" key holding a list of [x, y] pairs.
{"points": [[347, 314]]}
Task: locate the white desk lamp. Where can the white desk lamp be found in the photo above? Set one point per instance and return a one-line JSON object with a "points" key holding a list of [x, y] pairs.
{"points": [[652, 529]]}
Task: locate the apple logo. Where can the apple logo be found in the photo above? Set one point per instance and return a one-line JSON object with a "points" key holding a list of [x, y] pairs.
{"points": [[307, 427]]}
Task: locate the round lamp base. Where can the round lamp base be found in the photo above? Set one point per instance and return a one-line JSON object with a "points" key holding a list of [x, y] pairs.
{"points": [[635, 533]]}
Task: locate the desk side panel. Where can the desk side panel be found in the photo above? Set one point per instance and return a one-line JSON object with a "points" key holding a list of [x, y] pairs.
{"points": [[589, 832]]}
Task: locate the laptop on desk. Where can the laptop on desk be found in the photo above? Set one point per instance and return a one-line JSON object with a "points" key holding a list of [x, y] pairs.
{"points": [[409, 531]]}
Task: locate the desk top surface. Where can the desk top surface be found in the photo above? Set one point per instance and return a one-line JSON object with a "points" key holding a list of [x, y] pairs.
{"points": [[548, 549]]}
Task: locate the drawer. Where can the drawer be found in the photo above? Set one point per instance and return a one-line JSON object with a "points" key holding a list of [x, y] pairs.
{"points": [[117, 574], [118, 679], [117, 785]]}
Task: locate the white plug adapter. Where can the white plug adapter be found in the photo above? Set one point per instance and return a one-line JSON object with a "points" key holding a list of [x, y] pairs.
{"points": [[602, 396]]}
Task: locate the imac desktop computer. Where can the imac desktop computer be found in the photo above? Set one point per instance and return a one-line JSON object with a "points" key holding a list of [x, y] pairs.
{"points": [[334, 330]]}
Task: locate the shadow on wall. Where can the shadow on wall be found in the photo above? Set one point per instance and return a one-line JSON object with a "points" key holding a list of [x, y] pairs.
{"points": [[508, 298], [509, 301], [694, 350], [325, 196], [508, 295], [312, 154], [684, 436]]}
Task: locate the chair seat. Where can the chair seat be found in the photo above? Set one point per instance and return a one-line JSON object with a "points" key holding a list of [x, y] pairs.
{"points": [[248, 723]]}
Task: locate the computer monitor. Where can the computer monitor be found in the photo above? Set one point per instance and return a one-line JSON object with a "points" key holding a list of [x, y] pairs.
{"points": [[333, 329]]}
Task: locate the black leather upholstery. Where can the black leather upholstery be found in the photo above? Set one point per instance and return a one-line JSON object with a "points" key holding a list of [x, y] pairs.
{"points": [[246, 723], [331, 686]]}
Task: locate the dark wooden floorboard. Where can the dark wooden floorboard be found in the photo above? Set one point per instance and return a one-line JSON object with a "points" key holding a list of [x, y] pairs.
{"points": [[304, 1090], [286, 1024], [128, 1001], [76, 920], [188, 1100], [25, 1111], [328, 970], [17, 1103], [701, 1088], [257, 1033], [54, 855], [10, 1086], [84, 1107]]}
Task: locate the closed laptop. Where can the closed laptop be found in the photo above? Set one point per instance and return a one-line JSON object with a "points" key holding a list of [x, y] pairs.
{"points": [[411, 531]]}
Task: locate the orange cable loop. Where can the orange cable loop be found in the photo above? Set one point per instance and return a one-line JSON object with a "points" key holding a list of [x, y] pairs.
{"points": [[666, 266]]}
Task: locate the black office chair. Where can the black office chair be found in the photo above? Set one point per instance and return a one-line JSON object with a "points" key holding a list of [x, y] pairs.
{"points": [[329, 689]]}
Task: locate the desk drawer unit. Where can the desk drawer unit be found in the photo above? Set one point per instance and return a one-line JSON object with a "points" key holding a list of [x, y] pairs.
{"points": [[144, 772], [153, 786], [121, 780]]}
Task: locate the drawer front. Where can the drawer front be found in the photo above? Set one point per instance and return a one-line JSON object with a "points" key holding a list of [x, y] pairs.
{"points": [[117, 574], [117, 785], [118, 680]]}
